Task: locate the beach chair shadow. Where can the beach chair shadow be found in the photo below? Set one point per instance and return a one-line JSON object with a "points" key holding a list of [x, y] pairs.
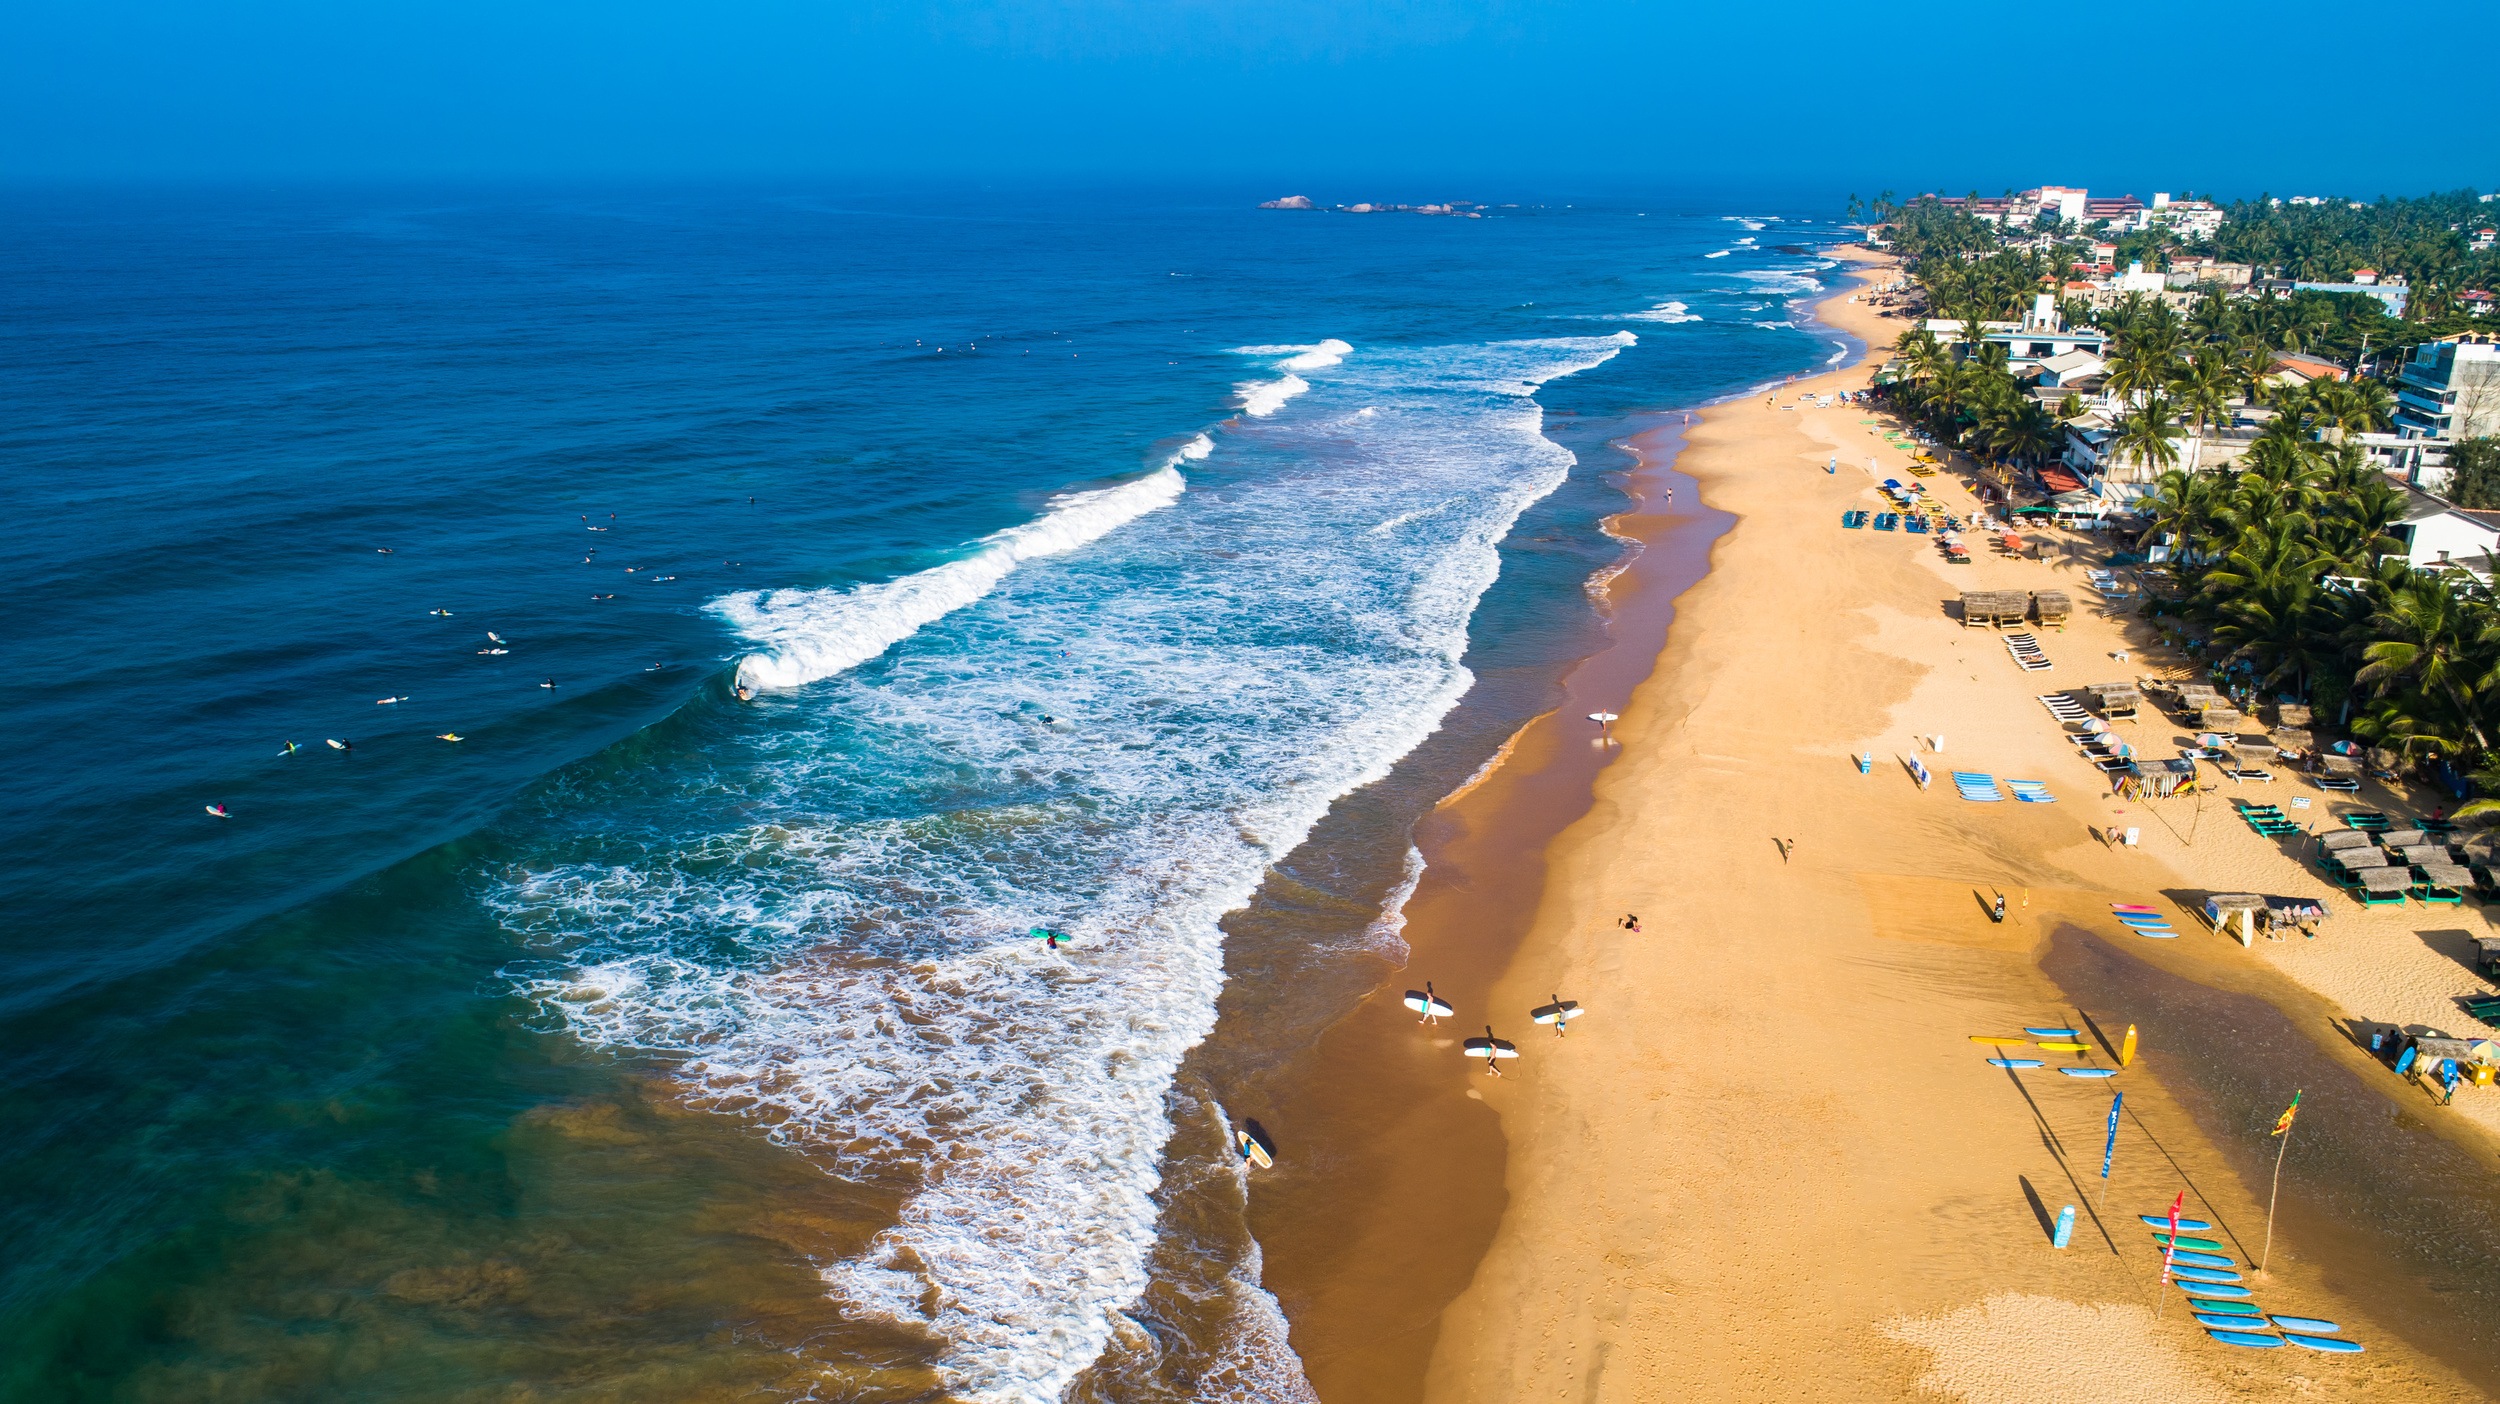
{"points": [[2039, 1208], [2456, 945]]}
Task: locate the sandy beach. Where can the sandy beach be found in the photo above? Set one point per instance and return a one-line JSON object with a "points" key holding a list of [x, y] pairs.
{"points": [[1769, 1163]]}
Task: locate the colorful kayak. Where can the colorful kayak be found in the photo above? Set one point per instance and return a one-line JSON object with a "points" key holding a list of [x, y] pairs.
{"points": [[2309, 1324], [2209, 1275], [2193, 1258], [2245, 1338], [2089, 1072], [2328, 1344], [2015, 1063], [2162, 1221], [2050, 1033], [2183, 1241]]}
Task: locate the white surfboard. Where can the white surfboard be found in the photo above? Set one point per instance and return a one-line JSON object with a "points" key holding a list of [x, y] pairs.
{"points": [[1428, 1004], [1560, 1011], [1490, 1048], [1254, 1152]]}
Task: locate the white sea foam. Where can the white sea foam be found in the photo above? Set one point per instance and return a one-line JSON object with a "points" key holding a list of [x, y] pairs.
{"points": [[813, 634], [1839, 354], [1261, 398], [1777, 326], [1669, 312], [1387, 933], [1716, 253], [1780, 280], [835, 948], [1751, 224]]}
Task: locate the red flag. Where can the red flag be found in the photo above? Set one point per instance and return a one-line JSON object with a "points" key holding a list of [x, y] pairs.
{"points": [[2171, 1248]]}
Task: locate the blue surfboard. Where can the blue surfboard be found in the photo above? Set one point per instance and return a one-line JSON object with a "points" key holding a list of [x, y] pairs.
{"points": [[2162, 1222], [2224, 1323], [2197, 1274], [2245, 1338], [2196, 1259], [2329, 1344], [2089, 1072], [2247, 1314], [2050, 1033], [2014, 1063], [2310, 1324], [2221, 1291]]}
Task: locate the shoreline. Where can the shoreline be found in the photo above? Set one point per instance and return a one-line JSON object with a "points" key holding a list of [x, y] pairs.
{"points": [[1866, 1230]]}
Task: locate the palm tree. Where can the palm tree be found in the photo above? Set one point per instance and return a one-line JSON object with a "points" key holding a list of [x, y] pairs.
{"points": [[2250, 365], [2204, 392], [2428, 641], [2355, 407], [2183, 508], [2146, 435], [2275, 615]]}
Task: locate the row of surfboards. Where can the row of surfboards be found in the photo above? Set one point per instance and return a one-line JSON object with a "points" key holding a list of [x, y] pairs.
{"points": [[2220, 1303], [2144, 920], [2051, 1040]]}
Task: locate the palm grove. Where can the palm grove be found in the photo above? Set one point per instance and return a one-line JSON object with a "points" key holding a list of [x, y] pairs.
{"points": [[2285, 561]]}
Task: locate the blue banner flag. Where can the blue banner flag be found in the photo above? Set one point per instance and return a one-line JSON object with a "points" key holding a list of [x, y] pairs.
{"points": [[2110, 1148]]}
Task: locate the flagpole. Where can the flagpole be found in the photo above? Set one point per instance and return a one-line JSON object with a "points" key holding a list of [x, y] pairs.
{"points": [[2268, 1251]]}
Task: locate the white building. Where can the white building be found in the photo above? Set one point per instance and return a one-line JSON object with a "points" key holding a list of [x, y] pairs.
{"points": [[2438, 534], [2450, 389]]}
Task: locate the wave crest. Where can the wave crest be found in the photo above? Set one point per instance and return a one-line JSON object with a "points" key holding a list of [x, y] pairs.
{"points": [[813, 634]]}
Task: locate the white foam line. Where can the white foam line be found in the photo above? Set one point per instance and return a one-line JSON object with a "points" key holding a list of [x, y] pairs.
{"points": [[1387, 933], [813, 634]]}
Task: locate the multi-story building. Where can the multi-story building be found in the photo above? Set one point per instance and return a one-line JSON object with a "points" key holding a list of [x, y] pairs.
{"points": [[2450, 389]]}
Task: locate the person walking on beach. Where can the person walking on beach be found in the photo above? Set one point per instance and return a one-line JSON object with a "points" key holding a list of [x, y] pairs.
{"points": [[1998, 914], [1629, 922]]}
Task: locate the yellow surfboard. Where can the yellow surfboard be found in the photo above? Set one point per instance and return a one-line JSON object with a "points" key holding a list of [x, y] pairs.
{"points": [[2067, 1047]]}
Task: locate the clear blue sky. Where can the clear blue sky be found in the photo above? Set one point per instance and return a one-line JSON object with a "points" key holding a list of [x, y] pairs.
{"points": [[1325, 94]]}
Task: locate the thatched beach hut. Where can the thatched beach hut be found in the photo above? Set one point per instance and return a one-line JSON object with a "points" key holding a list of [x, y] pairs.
{"points": [[2337, 840], [1994, 607], [2117, 701], [2052, 607], [2235, 915]]}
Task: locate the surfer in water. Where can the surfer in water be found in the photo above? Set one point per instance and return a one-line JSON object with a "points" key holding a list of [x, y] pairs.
{"points": [[745, 693]]}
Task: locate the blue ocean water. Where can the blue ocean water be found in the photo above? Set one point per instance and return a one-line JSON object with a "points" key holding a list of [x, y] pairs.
{"points": [[824, 591]]}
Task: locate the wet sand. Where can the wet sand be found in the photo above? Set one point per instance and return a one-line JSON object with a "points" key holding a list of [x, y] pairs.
{"points": [[1769, 1164]]}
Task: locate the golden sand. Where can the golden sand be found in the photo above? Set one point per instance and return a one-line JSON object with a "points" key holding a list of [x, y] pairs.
{"points": [[1769, 1164]]}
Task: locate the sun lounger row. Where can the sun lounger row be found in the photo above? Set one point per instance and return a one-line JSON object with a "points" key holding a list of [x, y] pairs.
{"points": [[2064, 708]]}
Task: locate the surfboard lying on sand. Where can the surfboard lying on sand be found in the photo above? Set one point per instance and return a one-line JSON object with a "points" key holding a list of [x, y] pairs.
{"points": [[2089, 1072], [2067, 1047], [2001, 1042], [2015, 1063], [2050, 1033], [2221, 1323], [2183, 1241], [2246, 1314], [2221, 1290], [2310, 1324], [2222, 1276], [2328, 1344], [2162, 1222], [2245, 1338], [2195, 1259]]}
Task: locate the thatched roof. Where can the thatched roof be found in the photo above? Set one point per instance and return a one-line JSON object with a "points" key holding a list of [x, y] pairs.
{"points": [[2339, 765], [2335, 839], [2236, 902], [2290, 714], [1995, 604], [2123, 693], [2187, 691], [2293, 738], [2447, 874], [2054, 604], [2383, 879], [2362, 857]]}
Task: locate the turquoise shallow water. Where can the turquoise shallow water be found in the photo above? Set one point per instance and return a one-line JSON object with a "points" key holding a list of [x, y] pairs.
{"points": [[650, 1041]]}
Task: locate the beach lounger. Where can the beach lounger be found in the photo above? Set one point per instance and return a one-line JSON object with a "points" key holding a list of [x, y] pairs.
{"points": [[1915, 526], [2367, 820], [2250, 774], [2341, 784], [2064, 708]]}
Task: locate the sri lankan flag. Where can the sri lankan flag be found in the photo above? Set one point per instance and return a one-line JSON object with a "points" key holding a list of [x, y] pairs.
{"points": [[2283, 1123]]}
